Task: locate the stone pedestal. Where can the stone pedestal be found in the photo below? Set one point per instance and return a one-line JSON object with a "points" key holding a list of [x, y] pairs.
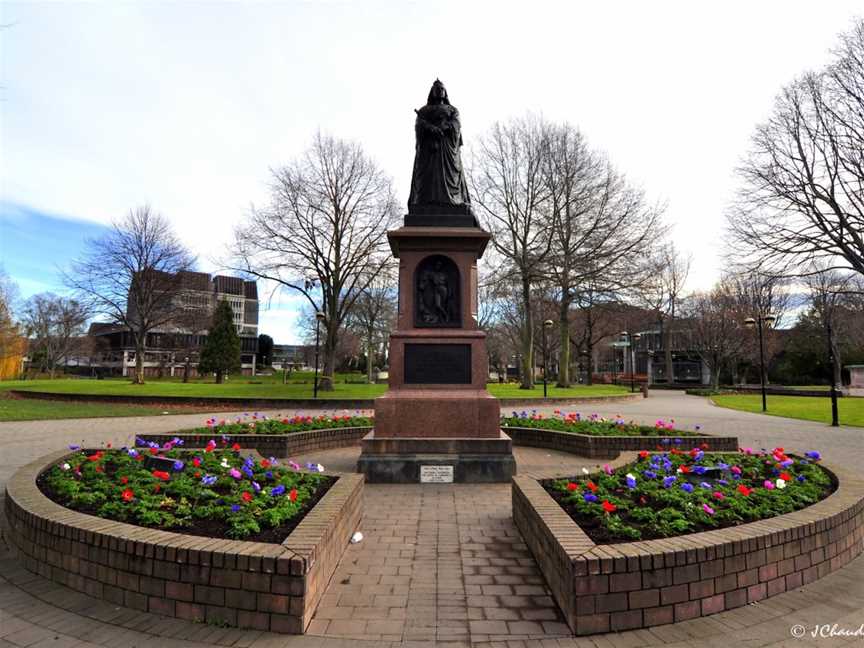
{"points": [[437, 422]]}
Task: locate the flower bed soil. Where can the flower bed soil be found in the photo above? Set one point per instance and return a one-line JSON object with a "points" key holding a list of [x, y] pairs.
{"points": [[652, 498]]}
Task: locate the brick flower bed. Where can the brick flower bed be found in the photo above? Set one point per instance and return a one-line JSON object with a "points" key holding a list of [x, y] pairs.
{"points": [[265, 586], [273, 445], [609, 447], [642, 584]]}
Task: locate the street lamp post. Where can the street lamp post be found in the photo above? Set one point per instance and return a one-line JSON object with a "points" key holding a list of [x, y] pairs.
{"points": [[319, 317], [835, 417], [546, 325], [636, 338], [768, 319]]}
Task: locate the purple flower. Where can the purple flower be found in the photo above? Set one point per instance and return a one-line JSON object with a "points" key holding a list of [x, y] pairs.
{"points": [[74, 447], [698, 456], [269, 474], [589, 497], [208, 480], [705, 485], [256, 486], [677, 441], [699, 470], [235, 508], [649, 474], [631, 481], [722, 482], [132, 452], [801, 478], [687, 487], [813, 454], [277, 490], [668, 481], [178, 465], [177, 441], [723, 466]]}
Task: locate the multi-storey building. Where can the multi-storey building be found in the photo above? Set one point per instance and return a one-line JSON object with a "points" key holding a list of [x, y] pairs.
{"points": [[173, 348]]}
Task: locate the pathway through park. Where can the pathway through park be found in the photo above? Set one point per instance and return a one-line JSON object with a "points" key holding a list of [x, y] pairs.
{"points": [[439, 565]]}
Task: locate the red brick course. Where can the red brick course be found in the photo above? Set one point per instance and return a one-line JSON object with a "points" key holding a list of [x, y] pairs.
{"points": [[266, 586], [641, 584]]}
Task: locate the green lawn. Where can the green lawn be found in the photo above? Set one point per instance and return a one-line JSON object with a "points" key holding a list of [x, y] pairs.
{"points": [[511, 390], [35, 410], [258, 387], [799, 407]]}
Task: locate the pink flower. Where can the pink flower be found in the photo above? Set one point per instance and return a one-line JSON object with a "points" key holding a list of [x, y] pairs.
{"points": [[236, 474], [768, 484], [736, 470], [607, 468], [708, 509], [719, 496]]}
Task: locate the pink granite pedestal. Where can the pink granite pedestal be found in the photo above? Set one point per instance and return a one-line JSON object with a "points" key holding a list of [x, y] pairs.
{"points": [[437, 412]]}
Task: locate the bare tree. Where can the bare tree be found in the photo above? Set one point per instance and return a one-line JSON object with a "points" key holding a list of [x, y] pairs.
{"points": [[832, 295], [663, 293], [53, 323], [374, 315], [603, 228], [715, 324], [507, 177], [130, 276], [11, 344], [802, 200], [323, 235]]}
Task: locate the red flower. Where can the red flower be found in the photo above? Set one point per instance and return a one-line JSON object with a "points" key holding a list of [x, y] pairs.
{"points": [[211, 446], [786, 477], [153, 451], [643, 454], [157, 488], [236, 446], [246, 496], [95, 457], [196, 461], [293, 495], [128, 495], [592, 486], [744, 490], [694, 452], [161, 474], [100, 469], [140, 457], [608, 506], [685, 469], [571, 486], [704, 446], [197, 474], [124, 479], [265, 463]]}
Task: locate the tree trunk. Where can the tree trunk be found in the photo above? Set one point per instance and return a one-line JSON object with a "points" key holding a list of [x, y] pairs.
{"points": [[328, 367], [219, 376], [667, 352], [564, 352], [369, 355], [527, 338], [589, 361], [139, 363]]}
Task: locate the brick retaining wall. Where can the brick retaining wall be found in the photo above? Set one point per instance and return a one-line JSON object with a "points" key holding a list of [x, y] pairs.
{"points": [[608, 447], [602, 588], [274, 445], [265, 586], [595, 447]]}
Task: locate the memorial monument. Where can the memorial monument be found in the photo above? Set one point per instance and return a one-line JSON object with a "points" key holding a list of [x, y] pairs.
{"points": [[437, 422]]}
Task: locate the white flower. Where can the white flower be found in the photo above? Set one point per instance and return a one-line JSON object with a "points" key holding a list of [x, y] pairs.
{"points": [[66, 466], [781, 483], [319, 468], [224, 463], [585, 470]]}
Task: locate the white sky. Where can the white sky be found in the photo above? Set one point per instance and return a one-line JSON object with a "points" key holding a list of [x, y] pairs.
{"points": [[187, 105]]}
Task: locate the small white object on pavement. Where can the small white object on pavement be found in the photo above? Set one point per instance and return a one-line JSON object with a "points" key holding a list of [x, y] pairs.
{"points": [[357, 537]]}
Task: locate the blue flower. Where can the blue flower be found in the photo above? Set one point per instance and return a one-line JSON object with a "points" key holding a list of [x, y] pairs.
{"points": [[256, 486], [139, 441], [687, 487], [277, 490], [723, 466], [208, 480], [813, 454], [722, 482], [677, 441], [649, 474], [705, 485], [269, 474], [235, 508], [801, 478], [698, 456], [699, 470], [631, 482], [74, 447], [589, 497], [178, 465], [668, 481], [177, 441]]}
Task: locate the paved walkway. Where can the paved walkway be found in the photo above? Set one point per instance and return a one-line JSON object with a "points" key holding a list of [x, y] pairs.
{"points": [[440, 565]]}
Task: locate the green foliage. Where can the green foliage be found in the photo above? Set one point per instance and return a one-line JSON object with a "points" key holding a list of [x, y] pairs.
{"points": [[592, 425], [256, 424], [664, 495], [221, 352], [265, 350], [244, 498]]}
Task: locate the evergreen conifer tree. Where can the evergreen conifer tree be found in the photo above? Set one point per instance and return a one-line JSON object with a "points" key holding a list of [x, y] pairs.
{"points": [[221, 352]]}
